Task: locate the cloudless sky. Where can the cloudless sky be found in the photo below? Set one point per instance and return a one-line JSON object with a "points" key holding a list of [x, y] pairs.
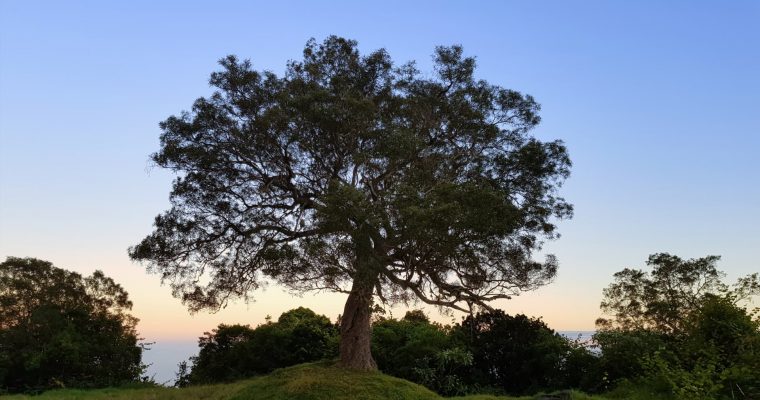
{"points": [[658, 103]]}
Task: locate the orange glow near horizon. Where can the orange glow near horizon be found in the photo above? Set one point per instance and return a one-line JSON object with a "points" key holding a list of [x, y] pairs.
{"points": [[165, 318]]}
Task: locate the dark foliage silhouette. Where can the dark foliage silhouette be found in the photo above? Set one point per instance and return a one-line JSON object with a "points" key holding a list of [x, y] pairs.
{"points": [[59, 329], [233, 352], [352, 174], [681, 330], [518, 354]]}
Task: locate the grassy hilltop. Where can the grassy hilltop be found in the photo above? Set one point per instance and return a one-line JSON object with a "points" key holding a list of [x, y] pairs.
{"points": [[317, 381]]}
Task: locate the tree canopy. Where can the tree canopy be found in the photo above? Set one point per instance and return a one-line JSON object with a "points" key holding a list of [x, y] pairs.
{"points": [[680, 329], [662, 299], [353, 174], [58, 328]]}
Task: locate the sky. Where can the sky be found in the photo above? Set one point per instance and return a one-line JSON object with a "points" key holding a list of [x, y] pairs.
{"points": [[657, 102]]}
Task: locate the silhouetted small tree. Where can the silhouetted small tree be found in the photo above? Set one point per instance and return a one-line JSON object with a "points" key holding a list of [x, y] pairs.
{"points": [[59, 329], [401, 345], [681, 330], [659, 300]]}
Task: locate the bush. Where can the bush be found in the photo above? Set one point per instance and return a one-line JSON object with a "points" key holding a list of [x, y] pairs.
{"points": [[415, 349], [402, 346], [233, 352], [224, 356], [445, 371], [716, 355], [580, 369], [623, 354], [719, 353], [520, 355], [490, 351], [666, 373]]}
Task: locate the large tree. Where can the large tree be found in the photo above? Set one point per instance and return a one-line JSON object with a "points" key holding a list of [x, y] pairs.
{"points": [[351, 174]]}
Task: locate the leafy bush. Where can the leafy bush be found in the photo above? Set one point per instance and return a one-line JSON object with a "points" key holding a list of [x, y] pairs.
{"points": [[444, 371], [224, 356], [402, 346], [490, 351], [519, 355], [623, 354], [666, 373], [423, 352], [719, 353], [233, 352], [580, 369]]}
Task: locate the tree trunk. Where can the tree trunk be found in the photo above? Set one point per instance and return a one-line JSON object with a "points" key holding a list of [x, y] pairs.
{"points": [[355, 331]]}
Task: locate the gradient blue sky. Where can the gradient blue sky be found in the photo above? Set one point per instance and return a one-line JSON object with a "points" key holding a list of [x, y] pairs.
{"points": [[658, 102]]}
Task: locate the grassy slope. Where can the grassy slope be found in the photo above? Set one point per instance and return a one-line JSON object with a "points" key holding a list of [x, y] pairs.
{"points": [[320, 381]]}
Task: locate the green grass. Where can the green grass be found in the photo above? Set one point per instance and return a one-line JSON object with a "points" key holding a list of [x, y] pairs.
{"points": [[210, 392], [322, 381], [574, 396], [317, 381]]}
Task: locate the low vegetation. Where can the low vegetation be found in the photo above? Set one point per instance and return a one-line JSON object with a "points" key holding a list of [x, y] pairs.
{"points": [[490, 352], [232, 352], [316, 381], [675, 333]]}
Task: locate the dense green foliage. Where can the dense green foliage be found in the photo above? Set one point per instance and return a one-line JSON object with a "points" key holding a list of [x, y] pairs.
{"points": [[681, 331], [232, 352], [717, 357], [490, 351], [415, 349], [518, 354], [623, 355], [59, 329]]}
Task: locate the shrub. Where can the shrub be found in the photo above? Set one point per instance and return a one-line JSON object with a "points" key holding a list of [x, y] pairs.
{"points": [[519, 355], [233, 352], [445, 371], [402, 346], [623, 353]]}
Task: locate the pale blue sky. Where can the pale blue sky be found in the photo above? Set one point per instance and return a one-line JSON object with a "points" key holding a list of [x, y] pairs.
{"points": [[658, 102]]}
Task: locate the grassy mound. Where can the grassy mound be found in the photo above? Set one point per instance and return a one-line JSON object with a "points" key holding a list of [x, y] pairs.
{"points": [[317, 381], [322, 381]]}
